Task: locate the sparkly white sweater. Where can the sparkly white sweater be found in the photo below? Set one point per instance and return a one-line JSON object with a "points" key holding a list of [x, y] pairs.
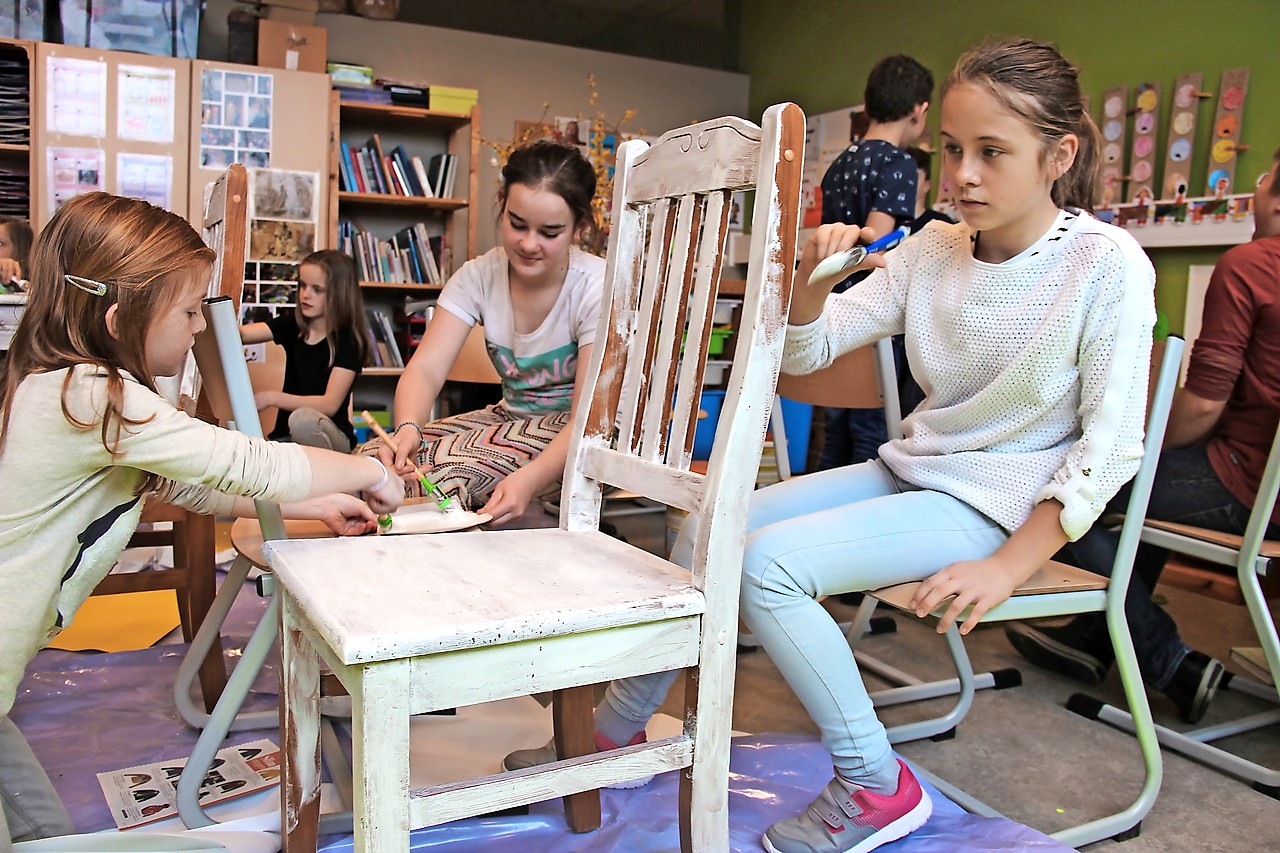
{"points": [[1035, 369]]}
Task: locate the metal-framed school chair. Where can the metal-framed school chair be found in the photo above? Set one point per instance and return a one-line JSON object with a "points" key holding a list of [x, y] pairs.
{"points": [[460, 618], [1254, 561], [1061, 590]]}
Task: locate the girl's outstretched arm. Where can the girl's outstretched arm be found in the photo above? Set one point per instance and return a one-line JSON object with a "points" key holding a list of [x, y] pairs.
{"points": [[345, 515], [511, 497], [986, 583], [807, 300], [339, 472]]}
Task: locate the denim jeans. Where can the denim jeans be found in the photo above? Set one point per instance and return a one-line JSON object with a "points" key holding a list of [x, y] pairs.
{"points": [[853, 528], [1186, 490]]}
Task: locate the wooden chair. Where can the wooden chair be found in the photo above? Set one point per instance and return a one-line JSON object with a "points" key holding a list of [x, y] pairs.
{"points": [[1253, 560], [413, 623], [1061, 590], [191, 534]]}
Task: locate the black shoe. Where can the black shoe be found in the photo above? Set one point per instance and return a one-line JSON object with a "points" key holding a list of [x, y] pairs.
{"points": [[1067, 649], [1193, 685]]}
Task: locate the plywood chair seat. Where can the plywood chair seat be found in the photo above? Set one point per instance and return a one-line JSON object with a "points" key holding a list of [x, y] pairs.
{"points": [[247, 538], [1053, 577], [410, 624]]}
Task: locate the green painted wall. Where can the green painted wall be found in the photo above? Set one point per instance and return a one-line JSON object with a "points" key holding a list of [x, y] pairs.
{"points": [[818, 53]]}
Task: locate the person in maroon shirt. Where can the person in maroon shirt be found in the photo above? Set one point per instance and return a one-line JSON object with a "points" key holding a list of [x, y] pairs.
{"points": [[1220, 431]]}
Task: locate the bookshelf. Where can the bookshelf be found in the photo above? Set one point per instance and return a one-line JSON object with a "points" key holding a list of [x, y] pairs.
{"points": [[17, 98], [383, 217]]}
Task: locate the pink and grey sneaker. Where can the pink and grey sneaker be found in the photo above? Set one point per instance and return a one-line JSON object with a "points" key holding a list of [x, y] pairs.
{"points": [[848, 819]]}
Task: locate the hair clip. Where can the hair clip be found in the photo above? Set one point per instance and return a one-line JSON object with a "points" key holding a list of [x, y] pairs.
{"points": [[88, 285]]}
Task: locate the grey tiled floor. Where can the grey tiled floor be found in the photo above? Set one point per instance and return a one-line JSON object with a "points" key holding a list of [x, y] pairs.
{"points": [[1025, 754]]}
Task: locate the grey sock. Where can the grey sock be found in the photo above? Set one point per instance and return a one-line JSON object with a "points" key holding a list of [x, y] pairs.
{"points": [[614, 726]]}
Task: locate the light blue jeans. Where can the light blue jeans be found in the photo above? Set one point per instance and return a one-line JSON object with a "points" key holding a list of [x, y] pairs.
{"points": [[847, 529]]}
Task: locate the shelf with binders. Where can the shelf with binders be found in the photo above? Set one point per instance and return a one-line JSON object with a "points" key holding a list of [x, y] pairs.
{"points": [[17, 98]]}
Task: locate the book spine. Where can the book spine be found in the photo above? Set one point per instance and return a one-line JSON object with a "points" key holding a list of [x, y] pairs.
{"points": [[421, 172]]}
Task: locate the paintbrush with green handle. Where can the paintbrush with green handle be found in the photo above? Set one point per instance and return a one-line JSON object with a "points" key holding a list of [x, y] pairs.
{"points": [[432, 490]]}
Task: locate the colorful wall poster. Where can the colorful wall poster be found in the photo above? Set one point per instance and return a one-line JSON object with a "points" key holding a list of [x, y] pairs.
{"points": [[146, 103], [73, 171], [146, 176], [77, 96], [235, 119]]}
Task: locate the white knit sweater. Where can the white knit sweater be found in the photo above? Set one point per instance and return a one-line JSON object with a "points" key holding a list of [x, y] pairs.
{"points": [[1035, 369]]}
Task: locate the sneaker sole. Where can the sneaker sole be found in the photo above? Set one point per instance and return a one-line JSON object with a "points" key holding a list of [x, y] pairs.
{"points": [[903, 826], [1205, 692], [616, 786], [1047, 653]]}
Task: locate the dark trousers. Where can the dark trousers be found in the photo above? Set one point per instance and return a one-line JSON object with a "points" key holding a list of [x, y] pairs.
{"points": [[851, 436], [1186, 491]]}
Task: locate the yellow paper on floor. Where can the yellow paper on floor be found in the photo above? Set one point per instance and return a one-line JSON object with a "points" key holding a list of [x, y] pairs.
{"points": [[118, 623]]}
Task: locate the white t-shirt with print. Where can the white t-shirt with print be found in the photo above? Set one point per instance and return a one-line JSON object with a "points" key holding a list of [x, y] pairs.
{"points": [[537, 369]]}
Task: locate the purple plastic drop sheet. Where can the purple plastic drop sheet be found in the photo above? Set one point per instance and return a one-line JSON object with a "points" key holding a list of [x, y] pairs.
{"points": [[85, 713]]}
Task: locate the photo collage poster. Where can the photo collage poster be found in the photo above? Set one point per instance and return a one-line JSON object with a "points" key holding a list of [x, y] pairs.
{"points": [[235, 119], [283, 219]]}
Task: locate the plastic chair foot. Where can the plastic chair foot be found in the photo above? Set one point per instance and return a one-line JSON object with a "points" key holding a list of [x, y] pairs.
{"points": [[1005, 678], [1086, 706], [1132, 832], [1272, 791], [949, 734], [882, 625]]}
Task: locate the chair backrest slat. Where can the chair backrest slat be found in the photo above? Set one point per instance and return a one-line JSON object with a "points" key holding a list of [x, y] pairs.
{"points": [[666, 250]]}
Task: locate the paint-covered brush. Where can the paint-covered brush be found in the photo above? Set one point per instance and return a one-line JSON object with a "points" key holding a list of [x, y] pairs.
{"points": [[841, 262], [432, 490]]}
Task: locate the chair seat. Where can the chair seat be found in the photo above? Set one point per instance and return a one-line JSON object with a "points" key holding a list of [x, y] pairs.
{"points": [[377, 598], [246, 536], [1052, 577], [1270, 547]]}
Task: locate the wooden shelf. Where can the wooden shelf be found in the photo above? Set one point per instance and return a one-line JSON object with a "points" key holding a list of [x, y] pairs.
{"points": [[402, 200], [383, 113], [17, 149], [402, 285], [382, 371]]}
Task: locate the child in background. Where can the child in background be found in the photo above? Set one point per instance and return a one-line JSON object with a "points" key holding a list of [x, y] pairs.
{"points": [[538, 297], [872, 184], [325, 340], [116, 301], [1030, 323], [15, 244]]}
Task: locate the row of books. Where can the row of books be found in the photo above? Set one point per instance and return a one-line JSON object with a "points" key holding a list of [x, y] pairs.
{"points": [[384, 351], [410, 256], [369, 170]]}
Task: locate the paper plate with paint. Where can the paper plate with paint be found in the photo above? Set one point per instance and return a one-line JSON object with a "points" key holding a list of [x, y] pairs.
{"points": [[426, 517]]}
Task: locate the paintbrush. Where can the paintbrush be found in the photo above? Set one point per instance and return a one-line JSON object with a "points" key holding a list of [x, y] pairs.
{"points": [[841, 262], [433, 491]]}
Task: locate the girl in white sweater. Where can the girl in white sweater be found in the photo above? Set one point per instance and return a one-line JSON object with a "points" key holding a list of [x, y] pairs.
{"points": [[1028, 326], [116, 287]]}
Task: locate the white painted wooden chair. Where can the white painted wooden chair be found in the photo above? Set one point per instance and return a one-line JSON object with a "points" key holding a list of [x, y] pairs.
{"points": [[414, 623], [1254, 560], [1058, 589]]}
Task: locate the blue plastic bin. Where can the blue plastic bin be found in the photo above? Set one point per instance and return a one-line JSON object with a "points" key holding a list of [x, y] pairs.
{"points": [[798, 418]]}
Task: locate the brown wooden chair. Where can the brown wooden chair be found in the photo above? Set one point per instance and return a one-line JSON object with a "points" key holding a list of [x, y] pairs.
{"points": [[193, 575]]}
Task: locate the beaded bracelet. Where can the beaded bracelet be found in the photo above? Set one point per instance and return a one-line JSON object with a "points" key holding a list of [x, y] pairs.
{"points": [[404, 424]]}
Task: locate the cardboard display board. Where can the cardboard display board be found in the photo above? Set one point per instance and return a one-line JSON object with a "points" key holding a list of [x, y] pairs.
{"points": [[1142, 163], [276, 123], [1226, 131], [110, 121], [1180, 141], [1113, 122]]}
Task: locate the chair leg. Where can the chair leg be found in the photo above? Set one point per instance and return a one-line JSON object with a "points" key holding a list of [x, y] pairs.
{"points": [[572, 712], [194, 540], [300, 729], [704, 787], [1123, 822]]}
